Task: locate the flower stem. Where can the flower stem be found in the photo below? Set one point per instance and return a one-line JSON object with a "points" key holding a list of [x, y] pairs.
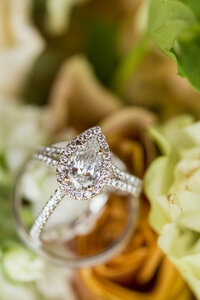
{"points": [[130, 63]]}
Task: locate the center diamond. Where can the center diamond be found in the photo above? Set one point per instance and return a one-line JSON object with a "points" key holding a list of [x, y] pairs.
{"points": [[85, 165]]}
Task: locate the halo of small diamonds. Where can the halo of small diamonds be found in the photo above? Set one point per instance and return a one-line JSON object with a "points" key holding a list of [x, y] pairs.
{"points": [[85, 165]]}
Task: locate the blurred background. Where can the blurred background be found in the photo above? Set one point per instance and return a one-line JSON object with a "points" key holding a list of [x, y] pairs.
{"points": [[66, 65]]}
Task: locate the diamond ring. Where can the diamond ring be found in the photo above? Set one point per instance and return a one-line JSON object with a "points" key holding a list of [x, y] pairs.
{"points": [[83, 167]]}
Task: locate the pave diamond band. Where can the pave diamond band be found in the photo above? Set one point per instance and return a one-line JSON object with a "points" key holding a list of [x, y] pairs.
{"points": [[120, 180], [83, 167], [45, 213]]}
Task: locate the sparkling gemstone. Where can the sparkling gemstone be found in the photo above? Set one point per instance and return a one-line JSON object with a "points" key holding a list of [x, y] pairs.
{"points": [[85, 165]]}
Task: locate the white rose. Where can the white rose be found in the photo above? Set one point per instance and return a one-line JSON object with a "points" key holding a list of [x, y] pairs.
{"points": [[172, 186], [22, 129], [24, 274]]}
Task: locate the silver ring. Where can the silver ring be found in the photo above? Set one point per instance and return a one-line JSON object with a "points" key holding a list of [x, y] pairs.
{"points": [[84, 168]]}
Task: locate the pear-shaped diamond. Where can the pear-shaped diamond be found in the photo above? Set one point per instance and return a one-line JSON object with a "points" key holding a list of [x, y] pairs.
{"points": [[85, 165]]}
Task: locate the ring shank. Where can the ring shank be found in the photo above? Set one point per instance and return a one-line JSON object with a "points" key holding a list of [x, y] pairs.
{"points": [[119, 180], [45, 214]]}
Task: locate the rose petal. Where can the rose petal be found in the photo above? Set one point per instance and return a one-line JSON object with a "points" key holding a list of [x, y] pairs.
{"points": [[78, 98]]}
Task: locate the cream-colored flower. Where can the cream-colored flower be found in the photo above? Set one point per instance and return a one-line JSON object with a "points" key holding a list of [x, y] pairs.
{"points": [[9, 290], [172, 186], [20, 44], [55, 283], [22, 128], [24, 274]]}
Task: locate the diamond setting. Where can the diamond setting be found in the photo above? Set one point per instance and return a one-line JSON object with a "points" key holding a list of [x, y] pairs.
{"points": [[85, 165]]}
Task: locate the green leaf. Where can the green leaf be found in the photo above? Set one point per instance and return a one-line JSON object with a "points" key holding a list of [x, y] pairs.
{"points": [[130, 63], [101, 47], [194, 6], [167, 20], [175, 27], [188, 61]]}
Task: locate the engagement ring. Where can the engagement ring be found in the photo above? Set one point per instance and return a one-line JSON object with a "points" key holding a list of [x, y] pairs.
{"points": [[83, 167]]}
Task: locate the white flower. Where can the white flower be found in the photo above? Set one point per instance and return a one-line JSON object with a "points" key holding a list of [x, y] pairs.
{"points": [[24, 276], [21, 265], [10, 291], [22, 128], [172, 186], [20, 44], [55, 284]]}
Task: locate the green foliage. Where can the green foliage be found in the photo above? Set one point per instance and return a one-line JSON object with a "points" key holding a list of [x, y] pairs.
{"points": [[129, 64], [101, 47], [194, 6], [174, 25]]}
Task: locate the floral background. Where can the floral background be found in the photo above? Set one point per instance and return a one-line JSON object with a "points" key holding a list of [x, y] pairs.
{"points": [[131, 66]]}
